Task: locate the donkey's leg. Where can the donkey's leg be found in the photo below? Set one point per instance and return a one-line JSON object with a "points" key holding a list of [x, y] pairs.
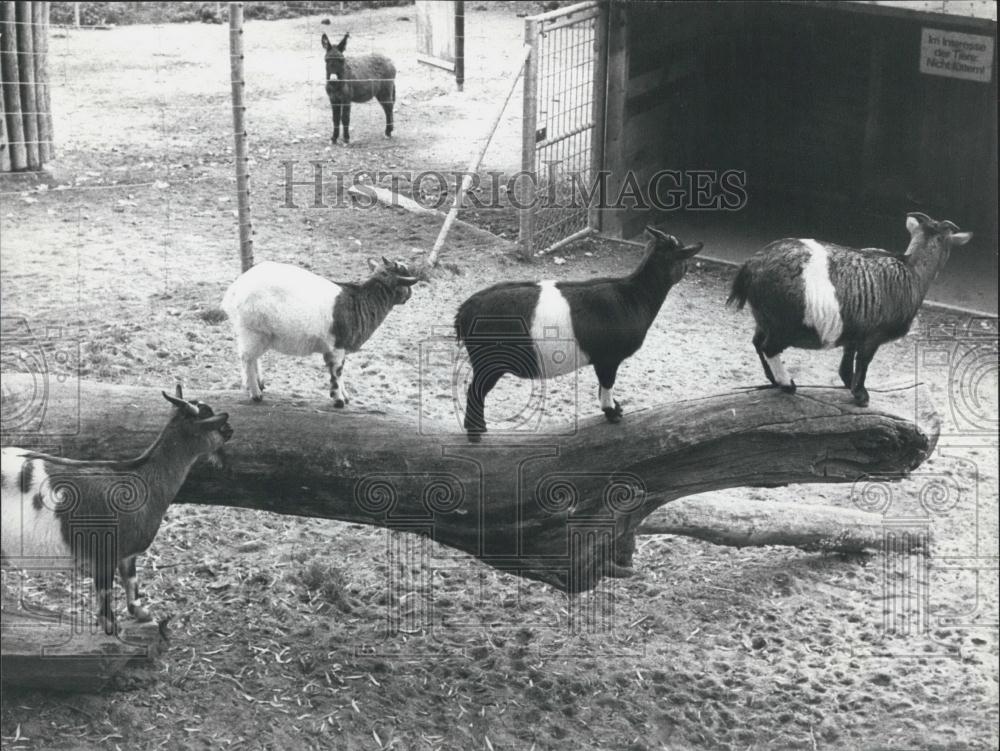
{"points": [[346, 117], [336, 121], [387, 108]]}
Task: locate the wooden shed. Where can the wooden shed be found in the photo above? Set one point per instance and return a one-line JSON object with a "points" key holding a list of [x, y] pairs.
{"points": [[836, 105], [846, 112]]}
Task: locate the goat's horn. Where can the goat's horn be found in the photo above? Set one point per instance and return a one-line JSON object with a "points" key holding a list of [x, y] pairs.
{"points": [[407, 281], [949, 225]]}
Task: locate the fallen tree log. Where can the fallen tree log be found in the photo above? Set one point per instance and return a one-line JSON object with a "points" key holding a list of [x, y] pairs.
{"points": [[740, 524], [563, 510]]}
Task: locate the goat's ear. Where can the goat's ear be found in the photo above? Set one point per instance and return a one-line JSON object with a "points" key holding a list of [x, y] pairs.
{"points": [[181, 404], [388, 264], [916, 220], [690, 250], [343, 42], [178, 392], [373, 264], [326, 42], [960, 238]]}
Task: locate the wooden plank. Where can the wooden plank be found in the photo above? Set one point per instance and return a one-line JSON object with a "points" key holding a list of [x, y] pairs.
{"points": [[48, 650], [612, 221], [599, 111], [436, 33]]}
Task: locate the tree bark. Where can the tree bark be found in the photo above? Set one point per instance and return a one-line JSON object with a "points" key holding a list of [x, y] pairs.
{"points": [[560, 509], [40, 30], [741, 524], [26, 67], [10, 71]]}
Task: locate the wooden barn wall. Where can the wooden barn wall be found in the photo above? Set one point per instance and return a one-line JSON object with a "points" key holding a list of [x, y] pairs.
{"points": [[824, 110]]}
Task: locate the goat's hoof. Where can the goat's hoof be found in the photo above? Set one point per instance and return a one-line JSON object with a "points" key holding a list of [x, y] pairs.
{"points": [[257, 398], [613, 414], [861, 397], [140, 613], [339, 403], [788, 388], [475, 437], [260, 385]]}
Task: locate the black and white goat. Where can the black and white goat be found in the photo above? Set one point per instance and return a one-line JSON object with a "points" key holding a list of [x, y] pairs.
{"points": [[293, 311], [816, 295], [51, 505], [525, 328]]}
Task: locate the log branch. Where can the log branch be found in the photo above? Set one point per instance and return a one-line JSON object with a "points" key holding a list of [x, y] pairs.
{"points": [[740, 524], [560, 509]]}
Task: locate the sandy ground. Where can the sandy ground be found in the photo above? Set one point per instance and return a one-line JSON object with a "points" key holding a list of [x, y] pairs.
{"points": [[282, 630]]}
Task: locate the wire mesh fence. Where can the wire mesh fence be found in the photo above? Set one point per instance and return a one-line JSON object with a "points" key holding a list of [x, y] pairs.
{"points": [[563, 124]]}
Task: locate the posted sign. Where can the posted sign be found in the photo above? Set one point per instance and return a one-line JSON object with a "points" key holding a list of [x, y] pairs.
{"points": [[956, 55]]}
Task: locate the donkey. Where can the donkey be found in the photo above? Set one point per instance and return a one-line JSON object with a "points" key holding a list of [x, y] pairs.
{"points": [[357, 80]]}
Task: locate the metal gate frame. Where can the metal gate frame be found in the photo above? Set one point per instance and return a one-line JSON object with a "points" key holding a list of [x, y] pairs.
{"points": [[563, 124]]}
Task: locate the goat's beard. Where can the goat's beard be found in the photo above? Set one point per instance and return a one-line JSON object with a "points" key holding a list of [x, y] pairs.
{"points": [[218, 459]]}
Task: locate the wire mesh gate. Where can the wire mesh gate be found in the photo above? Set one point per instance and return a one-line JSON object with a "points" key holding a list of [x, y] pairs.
{"points": [[563, 136]]}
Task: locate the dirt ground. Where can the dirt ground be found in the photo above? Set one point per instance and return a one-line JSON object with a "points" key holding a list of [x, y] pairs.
{"points": [[281, 626]]}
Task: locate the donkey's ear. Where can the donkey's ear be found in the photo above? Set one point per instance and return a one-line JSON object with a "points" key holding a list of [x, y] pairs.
{"points": [[343, 42], [326, 42]]}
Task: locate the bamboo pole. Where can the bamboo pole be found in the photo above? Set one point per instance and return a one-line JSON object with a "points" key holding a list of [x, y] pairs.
{"points": [[26, 67], [241, 157], [4, 141], [76, 15], [460, 44], [474, 163], [11, 90], [40, 29]]}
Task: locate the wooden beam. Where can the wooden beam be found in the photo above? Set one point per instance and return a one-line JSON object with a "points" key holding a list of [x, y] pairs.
{"points": [[46, 650]]}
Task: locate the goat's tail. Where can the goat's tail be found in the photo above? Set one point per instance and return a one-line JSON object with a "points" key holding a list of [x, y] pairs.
{"points": [[460, 330], [740, 291]]}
